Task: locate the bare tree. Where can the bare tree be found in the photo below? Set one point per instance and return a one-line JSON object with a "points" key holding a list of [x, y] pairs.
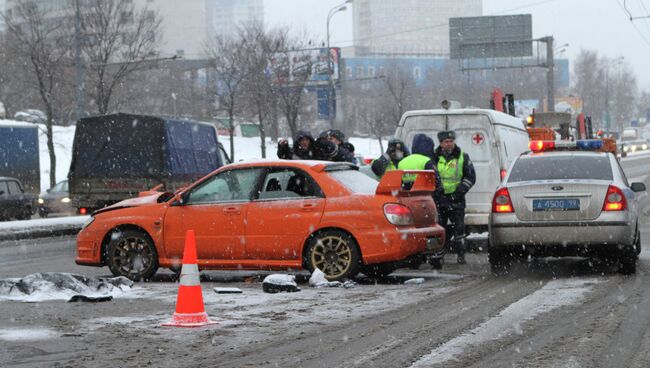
{"points": [[43, 44], [229, 71], [400, 85], [259, 97], [118, 41]]}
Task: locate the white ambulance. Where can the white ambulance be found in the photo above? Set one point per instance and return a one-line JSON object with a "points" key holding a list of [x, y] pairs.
{"points": [[492, 140]]}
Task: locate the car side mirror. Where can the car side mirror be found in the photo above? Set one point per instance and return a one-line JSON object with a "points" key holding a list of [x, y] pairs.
{"points": [[180, 200], [637, 187]]}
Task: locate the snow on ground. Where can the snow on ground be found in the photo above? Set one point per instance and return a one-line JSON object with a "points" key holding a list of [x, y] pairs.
{"points": [[253, 309], [27, 334], [43, 223], [555, 294], [52, 286]]}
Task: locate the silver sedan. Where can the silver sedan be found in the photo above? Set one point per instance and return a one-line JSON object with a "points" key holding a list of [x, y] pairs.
{"points": [[565, 203]]}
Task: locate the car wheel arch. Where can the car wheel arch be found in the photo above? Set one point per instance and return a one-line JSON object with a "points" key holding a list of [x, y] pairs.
{"points": [[124, 227]]}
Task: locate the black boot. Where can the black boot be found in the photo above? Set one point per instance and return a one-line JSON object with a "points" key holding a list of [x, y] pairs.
{"points": [[460, 250]]}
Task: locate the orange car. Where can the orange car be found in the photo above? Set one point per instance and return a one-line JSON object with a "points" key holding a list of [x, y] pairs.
{"points": [[270, 215]]}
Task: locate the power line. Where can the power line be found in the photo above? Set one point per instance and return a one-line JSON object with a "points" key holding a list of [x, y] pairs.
{"points": [[633, 24]]}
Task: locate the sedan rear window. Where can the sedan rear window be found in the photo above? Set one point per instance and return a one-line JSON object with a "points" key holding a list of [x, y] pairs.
{"points": [[355, 181], [561, 167]]}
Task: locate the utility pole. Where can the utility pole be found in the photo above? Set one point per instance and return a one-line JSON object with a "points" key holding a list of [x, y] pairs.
{"points": [[79, 111], [550, 73]]}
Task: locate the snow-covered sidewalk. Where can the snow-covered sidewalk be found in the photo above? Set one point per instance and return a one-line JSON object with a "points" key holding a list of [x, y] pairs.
{"points": [[38, 228]]}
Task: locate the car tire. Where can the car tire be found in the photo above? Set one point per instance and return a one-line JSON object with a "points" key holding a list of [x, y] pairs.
{"points": [[25, 215], [437, 262], [637, 243], [334, 252], [132, 254], [627, 262], [379, 270], [500, 261]]}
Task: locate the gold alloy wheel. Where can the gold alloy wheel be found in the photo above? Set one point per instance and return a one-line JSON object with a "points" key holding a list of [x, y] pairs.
{"points": [[332, 255], [132, 256]]}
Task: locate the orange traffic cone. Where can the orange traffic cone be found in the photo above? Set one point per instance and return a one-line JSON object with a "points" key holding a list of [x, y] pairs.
{"points": [[190, 311]]}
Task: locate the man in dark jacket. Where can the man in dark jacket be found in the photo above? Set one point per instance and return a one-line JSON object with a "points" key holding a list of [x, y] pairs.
{"points": [[344, 150], [395, 152], [458, 176], [303, 147]]}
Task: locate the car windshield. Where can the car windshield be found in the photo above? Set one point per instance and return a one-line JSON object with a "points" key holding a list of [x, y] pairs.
{"points": [[553, 167], [356, 181]]}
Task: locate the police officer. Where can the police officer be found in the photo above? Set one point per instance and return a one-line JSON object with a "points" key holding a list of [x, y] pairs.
{"points": [[458, 176], [421, 159], [395, 152]]}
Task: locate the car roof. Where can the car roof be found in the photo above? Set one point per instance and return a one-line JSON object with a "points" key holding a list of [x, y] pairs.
{"points": [[495, 116], [317, 166]]}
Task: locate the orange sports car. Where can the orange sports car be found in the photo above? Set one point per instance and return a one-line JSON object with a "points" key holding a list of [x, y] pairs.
{"points": [[271, 215]]}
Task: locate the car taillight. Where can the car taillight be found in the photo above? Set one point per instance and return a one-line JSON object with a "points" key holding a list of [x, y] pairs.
{"points": [[83, 211], [614, 200], [503, 173], [368, 161], [398, 214], [501, 202]]}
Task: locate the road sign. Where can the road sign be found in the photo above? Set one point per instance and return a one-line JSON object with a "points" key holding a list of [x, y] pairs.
{"points": [[491, 37]]}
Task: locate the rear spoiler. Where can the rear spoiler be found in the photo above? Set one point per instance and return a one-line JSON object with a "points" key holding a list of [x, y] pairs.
{"points": [[391, 182]]}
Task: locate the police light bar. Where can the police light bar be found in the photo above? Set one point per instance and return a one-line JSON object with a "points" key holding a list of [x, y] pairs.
{"points": [[582, 145]]}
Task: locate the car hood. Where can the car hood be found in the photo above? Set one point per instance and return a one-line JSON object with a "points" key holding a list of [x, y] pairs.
{"points": [[136, 202]]}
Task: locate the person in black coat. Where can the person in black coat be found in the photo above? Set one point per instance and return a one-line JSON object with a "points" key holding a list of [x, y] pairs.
{"points": [[344, 151], [303, 147]]}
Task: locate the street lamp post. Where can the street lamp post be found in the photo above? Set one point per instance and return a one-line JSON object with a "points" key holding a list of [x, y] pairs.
{"points": [[331, 94]]}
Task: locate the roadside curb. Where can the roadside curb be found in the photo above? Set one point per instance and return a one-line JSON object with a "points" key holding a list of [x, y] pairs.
{"points": [[38, 232]]}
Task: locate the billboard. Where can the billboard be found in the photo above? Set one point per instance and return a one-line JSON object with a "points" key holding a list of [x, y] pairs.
{"points": [[309, 66], [491, 36]]}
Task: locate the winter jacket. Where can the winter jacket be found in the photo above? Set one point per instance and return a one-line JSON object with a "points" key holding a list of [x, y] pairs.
{"points": [[457, 199], [385, 163], [297, 153]]}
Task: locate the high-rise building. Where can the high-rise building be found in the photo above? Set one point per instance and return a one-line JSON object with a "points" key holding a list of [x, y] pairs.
{"points": [[186, 25], [226, 16], [407, 27]]}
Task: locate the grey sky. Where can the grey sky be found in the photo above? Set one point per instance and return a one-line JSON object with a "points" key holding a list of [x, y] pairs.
{"points": [[600, 25]]}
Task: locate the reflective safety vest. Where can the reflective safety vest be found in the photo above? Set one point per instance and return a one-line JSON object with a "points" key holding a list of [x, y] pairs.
{"points": [[413, 161], [451, 172]]}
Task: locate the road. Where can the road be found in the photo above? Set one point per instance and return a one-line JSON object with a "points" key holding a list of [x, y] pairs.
{"points": [[549, 313]]}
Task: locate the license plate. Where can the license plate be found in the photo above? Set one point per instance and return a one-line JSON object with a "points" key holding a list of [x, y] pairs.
{"points": [[564, 204]]}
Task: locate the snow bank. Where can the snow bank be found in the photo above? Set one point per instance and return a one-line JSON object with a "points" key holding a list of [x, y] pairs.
{"points": [[50, 286]]}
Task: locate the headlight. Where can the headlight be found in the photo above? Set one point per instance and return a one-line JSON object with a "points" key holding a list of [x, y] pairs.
{"points": [[625, 148], [65, 200], [644, 146], [633, 148], [40, 201], [88, 222]]}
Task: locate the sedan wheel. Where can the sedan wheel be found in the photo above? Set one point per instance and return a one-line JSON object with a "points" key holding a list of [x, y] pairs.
{"points": [[132, 254], [335, 253]]}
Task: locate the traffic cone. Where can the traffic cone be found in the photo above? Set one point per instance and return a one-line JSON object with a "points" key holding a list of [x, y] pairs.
{"points": [[190, 311]]}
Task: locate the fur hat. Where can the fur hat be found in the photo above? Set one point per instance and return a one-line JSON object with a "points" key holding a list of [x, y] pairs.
{"points": [[446, 134]]}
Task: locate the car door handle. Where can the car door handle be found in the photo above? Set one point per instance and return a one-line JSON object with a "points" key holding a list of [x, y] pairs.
{"points": [[232, 210], [308, 207]]}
